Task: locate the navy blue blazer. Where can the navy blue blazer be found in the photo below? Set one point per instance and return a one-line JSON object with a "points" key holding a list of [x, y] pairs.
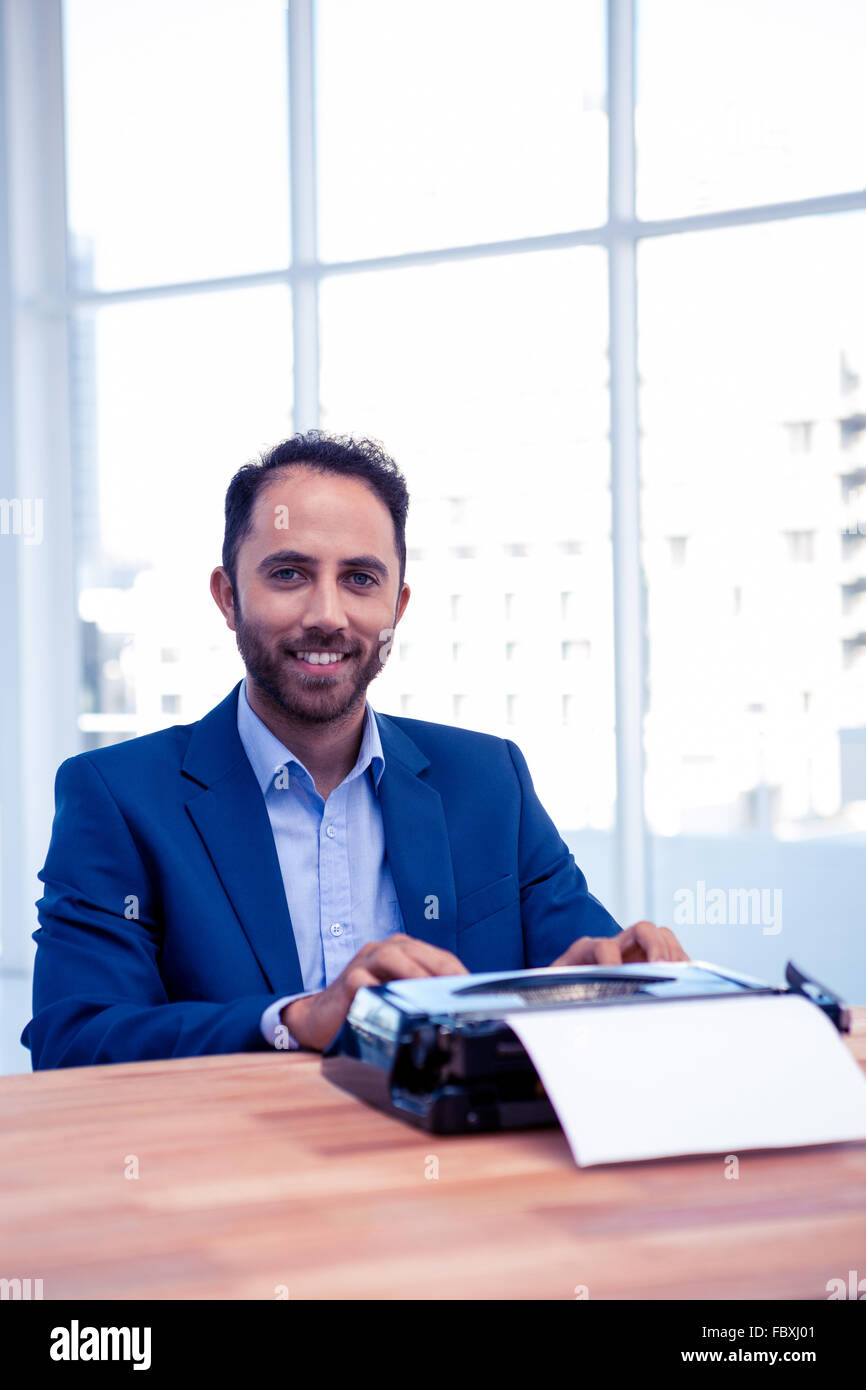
{"points": [[164, 929]]}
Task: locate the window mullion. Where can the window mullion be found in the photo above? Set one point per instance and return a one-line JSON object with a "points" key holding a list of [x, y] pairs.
{"points": [[302, 154], [632, 857], [40, 692]]}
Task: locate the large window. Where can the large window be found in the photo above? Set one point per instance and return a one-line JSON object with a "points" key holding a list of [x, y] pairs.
{"points": [[593, 273], [169, 395], [177, 139], [470, 122], [754, 473], [743, 102]]}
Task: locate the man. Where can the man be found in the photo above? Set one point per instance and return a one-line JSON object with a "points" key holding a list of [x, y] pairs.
{"points": [[229, 884]]}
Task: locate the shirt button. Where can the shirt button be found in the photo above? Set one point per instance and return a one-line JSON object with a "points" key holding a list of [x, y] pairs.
{"points": [[336, 929], [330, 832]]}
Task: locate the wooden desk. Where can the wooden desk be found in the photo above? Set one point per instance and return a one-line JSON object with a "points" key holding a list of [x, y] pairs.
{"points": [[255, 1173]]}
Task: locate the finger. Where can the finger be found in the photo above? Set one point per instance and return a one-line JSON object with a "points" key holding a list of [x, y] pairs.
{"points": [[576, 954], [328, 1009], [394, 960], [335, 1001], [676, 949], [436, 958], [591, 950], [630, 947], [673, 949], [607, 951], [357, 976], [648, 940]]}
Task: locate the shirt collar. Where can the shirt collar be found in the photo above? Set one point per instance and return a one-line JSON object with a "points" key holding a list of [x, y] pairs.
{"points": [[267, 755]]}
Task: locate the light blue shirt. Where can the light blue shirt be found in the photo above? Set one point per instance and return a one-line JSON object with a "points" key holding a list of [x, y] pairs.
{"points": [[333, 858]]}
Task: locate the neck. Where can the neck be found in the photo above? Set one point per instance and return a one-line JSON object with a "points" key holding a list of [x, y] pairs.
{"points": [[328, 751]]}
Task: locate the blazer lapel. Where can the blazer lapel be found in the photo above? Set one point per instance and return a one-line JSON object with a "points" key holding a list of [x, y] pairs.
{"points": [[416, 839], [229, 813]]}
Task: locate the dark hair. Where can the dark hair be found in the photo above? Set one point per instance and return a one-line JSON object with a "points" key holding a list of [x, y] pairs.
{"points": [[351, 458]]}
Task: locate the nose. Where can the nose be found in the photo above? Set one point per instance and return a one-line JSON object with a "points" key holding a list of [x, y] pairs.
{"points": [[325, 608]]}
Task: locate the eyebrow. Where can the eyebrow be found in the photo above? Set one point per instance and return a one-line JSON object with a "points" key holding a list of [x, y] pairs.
{"points": [[295, 557]]}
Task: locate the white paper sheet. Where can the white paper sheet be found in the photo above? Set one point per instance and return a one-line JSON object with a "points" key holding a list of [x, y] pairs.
{"points": [[717, 1076]]}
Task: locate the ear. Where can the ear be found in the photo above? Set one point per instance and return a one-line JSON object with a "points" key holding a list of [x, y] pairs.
{"points": [[401, 603], [223, 595]]}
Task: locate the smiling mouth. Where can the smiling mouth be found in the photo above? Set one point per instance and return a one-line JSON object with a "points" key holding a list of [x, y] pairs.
{"points": [[320, 661]]}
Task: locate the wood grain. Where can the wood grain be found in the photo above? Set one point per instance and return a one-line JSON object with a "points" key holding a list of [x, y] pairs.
{"points": [[255, 1173]]}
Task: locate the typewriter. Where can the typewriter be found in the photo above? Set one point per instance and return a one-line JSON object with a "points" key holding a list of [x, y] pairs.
{"points": [[438, 1053]]}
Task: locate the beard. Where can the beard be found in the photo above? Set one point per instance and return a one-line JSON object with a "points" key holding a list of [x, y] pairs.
{"points": [[296, 694]]}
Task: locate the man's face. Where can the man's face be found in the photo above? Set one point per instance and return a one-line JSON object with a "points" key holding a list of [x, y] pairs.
{"points": [[317, 577]]}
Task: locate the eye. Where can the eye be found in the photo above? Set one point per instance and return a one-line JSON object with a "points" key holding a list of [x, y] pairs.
{"points": [[360, 574], [287, 569]]}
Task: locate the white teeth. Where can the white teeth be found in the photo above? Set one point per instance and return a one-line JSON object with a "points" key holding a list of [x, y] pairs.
{"points": [[321, 658]]}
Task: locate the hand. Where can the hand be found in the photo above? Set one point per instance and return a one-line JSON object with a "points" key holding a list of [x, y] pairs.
{"points": [[315, 1020], [643, 941]]}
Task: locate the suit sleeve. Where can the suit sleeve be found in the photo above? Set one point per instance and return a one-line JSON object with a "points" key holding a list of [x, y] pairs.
{"points": [[98, 995], [556, 907]]}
